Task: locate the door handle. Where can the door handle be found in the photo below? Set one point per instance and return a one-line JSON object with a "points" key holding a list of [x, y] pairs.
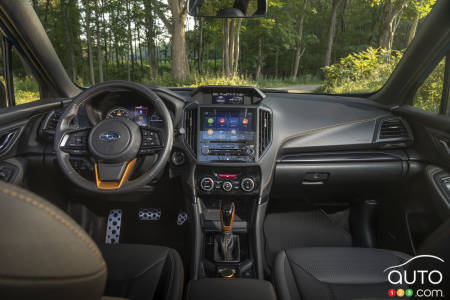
{"points": [[444, 144], [6, 139]]}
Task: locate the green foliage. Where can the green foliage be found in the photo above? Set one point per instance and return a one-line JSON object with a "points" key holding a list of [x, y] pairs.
{"points": [[368, 70], [364, 71], [211, 79], [25, 90], [429, 95]]}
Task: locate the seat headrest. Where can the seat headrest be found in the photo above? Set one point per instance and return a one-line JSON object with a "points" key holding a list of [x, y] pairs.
{"points": [[44, 254]]}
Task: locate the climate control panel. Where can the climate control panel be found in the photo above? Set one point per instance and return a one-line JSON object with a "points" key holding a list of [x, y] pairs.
{"points": [[228, 180]]}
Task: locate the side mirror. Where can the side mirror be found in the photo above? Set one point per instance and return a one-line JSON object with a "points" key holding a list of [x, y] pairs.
{"points": [[228, 8]]}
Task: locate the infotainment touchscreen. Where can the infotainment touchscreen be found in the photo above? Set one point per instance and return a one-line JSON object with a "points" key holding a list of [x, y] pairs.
{"points": [[227, 134]]}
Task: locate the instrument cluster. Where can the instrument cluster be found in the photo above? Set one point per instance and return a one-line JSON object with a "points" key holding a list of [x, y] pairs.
{"points": [[142, 115]]}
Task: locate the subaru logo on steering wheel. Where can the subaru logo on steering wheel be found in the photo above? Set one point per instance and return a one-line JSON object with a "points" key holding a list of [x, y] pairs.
{"points": [[109, 136]]}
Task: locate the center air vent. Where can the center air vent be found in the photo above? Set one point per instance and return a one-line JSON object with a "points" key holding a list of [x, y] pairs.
{"points": [[264, 130], [49, 124], [190, 124]]}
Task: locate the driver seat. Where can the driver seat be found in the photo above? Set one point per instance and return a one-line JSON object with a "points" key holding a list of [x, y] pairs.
{"points": [[44, 254]]}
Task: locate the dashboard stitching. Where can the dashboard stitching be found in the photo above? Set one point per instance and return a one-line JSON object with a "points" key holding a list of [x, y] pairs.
{"points": [[264, 186]]}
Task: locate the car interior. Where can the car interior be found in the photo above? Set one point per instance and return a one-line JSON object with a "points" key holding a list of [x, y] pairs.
{"points": [[135, 191]]}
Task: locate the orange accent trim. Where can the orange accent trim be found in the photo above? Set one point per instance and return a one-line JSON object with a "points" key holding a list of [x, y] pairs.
{"points": [[114, 185], [233, 273], [228, 276], [227, 228]]}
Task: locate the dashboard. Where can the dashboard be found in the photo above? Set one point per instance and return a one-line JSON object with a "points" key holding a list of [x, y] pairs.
{"points": [[238, 140]]}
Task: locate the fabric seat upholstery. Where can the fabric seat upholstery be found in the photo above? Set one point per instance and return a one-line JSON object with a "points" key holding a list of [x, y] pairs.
{"points": [[143, 272], [45, 254], [334, 273]]}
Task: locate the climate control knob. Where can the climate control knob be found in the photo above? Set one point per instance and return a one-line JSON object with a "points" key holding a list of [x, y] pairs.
{"points": [[227, 186], [207, 184], [247, 184]]}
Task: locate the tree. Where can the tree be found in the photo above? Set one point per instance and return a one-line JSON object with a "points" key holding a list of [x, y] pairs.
{"points": [[150, 37], [87, 11], [391, 9], [175, 26], [99, 44], [66, 6], [200, 46], [298, 48], [331, 31], [420, 9]]}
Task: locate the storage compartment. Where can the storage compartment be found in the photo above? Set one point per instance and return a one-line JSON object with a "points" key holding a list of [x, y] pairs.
{"points": [[226, 289], [331, 181]]}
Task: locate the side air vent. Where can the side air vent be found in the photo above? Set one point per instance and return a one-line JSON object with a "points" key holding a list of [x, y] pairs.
{"points": [[264, 130], [190, 124], [393, 129], [49, 124], [394, 133]]}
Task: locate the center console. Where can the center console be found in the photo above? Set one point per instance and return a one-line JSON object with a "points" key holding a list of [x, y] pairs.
{"points": [[217, 289], [225, 131], [228, 196]]}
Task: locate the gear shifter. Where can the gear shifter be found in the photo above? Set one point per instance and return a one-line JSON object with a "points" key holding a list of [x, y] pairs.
{"points": [[227, 210], [227, 215]]}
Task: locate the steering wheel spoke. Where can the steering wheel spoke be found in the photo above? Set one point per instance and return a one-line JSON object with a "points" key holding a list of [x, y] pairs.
{"points": [[151, 141], [112, 176], [74, 141]]}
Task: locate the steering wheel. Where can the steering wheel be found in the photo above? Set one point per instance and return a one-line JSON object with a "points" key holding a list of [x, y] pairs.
{"points": [[114, 144]]}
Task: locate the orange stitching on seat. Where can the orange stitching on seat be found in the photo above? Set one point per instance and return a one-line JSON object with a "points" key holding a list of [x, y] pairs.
{"points": [[60, 219]]}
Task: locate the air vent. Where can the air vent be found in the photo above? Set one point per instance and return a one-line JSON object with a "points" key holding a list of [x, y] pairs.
{"points": [[264, 130], [393, 129], [394, 133], [190, 124], [50, 122]]}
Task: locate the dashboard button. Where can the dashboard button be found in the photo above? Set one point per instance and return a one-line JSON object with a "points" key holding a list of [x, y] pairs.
{"points": [[227, 186], [247, 184], [207, 184]]}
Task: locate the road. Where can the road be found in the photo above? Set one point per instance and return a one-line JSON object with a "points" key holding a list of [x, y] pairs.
{"points": [[303, 88]]}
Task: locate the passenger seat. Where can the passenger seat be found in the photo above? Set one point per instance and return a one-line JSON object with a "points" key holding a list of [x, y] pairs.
{"points": [[355, 273]]}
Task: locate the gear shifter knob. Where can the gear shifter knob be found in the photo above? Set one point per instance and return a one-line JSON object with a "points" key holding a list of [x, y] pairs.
{"points": [[227, 210]]}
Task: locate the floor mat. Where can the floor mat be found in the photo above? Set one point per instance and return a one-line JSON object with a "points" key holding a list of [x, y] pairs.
{"points": [[164, 232], [156, 220], [303, 229]]}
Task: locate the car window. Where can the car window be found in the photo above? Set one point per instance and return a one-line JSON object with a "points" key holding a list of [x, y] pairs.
{"points": [[429, 95], [26, 88]]}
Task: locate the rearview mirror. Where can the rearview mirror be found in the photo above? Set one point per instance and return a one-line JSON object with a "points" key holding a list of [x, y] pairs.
{"points": [[228, 8]]}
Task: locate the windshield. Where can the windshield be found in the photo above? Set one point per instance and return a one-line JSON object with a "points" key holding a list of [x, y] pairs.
{"points": [[333, 47]]}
